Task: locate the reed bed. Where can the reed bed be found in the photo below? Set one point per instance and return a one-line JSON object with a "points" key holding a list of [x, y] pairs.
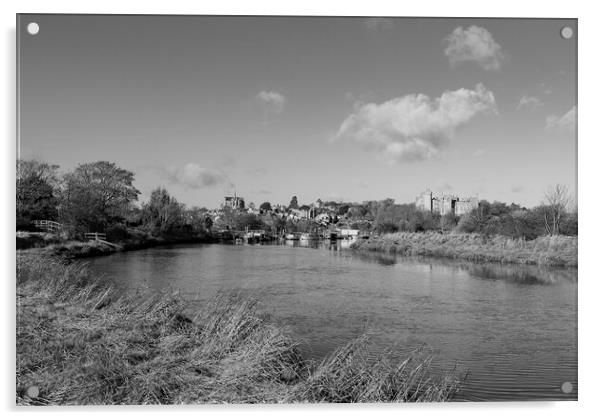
{"points": [[81, 341], [545, 250]]}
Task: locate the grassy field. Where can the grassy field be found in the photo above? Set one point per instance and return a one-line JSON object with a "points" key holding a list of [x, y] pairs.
{"points": [[545, 250], [81, 342]]}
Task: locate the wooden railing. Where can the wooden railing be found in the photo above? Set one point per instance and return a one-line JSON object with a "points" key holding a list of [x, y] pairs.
{"points": [[47, 225], [96, 236]]}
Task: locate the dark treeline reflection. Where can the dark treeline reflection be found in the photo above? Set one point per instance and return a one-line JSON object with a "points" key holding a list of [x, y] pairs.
{"points": [[525, 274]]}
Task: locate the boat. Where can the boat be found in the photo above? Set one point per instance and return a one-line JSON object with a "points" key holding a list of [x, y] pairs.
{"points": [[309, 237]]}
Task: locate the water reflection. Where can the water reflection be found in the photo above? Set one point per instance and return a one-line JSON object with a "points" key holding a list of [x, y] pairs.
{"points": [[513, 327], [516, 273]]}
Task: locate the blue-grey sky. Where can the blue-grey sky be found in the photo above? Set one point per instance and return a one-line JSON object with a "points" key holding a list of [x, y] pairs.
{"points": [[333, 108]]}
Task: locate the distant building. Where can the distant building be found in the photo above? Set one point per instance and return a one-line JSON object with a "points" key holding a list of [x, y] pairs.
{"points": [[446, 204], [234, 202], [304, 211]]}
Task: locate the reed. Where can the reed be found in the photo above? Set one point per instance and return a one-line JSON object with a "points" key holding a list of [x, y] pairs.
{"points": [[81, 341], [545, 250]]}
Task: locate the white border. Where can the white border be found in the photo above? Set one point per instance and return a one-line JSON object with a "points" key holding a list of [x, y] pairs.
{"points": [[590, 204]]}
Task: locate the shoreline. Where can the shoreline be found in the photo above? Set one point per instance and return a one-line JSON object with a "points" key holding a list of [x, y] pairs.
{"points": [[81, 342], [74, 249], [550, 251], [547, 251]]}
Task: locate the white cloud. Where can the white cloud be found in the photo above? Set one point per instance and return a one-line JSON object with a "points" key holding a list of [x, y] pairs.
{"points": [[478, 152], [194, 176], [529, 102], [415, 127], [473, 44], [272, 101], [566, 122], [376, 24]]}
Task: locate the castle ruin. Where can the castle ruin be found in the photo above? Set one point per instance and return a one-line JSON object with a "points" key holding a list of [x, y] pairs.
{"points": [[446, 203]]}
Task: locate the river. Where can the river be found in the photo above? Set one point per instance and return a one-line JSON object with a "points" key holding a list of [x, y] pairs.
{"points": [[512, 328]]}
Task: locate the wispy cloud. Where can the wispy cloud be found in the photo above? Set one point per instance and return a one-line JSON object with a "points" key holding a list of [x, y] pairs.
{"points": [[415, 127], [565, 122], [517, 189], [478, 152], [376, 24], [473, 44], [256, 171], [529, 102], [272, 101], [358, 99], [193, 176]]}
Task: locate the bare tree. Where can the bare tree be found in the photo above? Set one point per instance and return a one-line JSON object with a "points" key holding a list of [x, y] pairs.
{"points": [[557, 199]]}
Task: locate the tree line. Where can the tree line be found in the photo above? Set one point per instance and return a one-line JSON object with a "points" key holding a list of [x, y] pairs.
{"points": [[101, 197], [554, 216]]}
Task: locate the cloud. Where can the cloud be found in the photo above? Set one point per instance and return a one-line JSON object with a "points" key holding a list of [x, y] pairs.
{"points": [[566, 122], [193, 176], [359, 99], [529, 102], [272, 101], [478, 152], [376, 24], [256, 171], [415, 127], [517, 189], [473, 44]]}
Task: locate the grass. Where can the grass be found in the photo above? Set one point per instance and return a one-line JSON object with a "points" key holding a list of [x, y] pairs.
{"points": [[545, 250], [80, 341], [53, 244], [27, 240]]}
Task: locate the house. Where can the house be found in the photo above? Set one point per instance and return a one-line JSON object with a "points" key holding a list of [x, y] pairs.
{"points": [[234, 202], [304, 211]]}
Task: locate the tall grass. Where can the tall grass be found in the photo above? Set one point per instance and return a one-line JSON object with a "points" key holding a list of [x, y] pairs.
{"points": [[80, 341], [545, 250]]}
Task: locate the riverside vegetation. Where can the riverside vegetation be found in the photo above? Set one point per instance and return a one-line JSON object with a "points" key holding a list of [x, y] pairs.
{"points": [[546, 250], [101, 197], [79, 341]]}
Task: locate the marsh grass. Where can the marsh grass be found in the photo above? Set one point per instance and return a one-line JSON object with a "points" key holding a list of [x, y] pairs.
{"points": [[81, 341], [545, 250]]}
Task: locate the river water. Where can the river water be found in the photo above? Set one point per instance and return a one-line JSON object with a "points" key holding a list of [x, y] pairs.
{"points": [[512, 328]]}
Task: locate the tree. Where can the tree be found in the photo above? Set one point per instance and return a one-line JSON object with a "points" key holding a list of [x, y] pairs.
{"points": [[196, 218], [96, 195], [162, 214], [556, 201], [35, 200], [265, 207], [248, 221], [38, 169], [343, 210], [37, 188], [293, 204], [448, 222]]}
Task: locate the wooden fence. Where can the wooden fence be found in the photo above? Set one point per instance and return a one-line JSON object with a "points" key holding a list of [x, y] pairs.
{"points": [[47, 225], [96, 236]]}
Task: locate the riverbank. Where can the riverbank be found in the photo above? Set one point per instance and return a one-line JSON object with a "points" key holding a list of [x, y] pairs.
{"points": [[559, 251], [79, 342], [51, 244]]}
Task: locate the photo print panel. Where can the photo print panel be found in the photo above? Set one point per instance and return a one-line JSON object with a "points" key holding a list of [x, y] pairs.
{"points": [[284, 209]]}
